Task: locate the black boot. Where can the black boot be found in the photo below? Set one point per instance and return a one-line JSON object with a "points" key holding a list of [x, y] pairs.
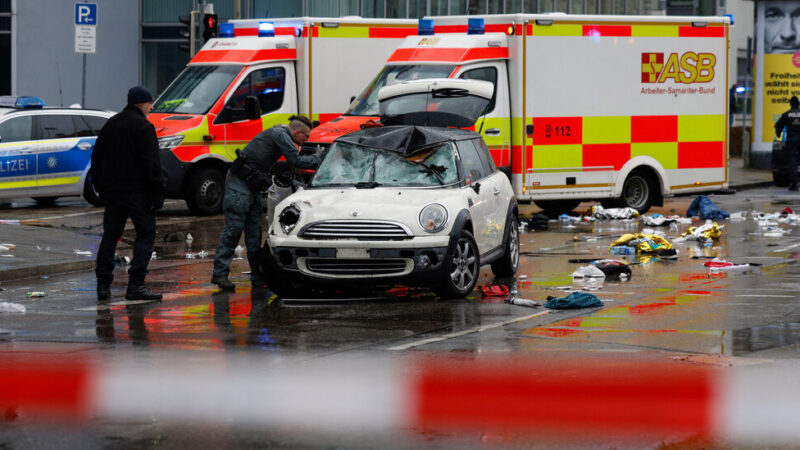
{"points": [[103, 291], [139, 292]]}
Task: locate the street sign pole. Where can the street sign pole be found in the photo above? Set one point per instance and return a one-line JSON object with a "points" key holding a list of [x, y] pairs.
{"points": [[83, 87], [85, 37]]}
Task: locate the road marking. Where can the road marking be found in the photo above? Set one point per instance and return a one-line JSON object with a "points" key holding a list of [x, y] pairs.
{"points": [[786, 248], [85, 213], [464, 332]]}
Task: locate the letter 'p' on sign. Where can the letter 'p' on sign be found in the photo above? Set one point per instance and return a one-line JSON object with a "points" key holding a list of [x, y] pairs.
{"points": [[86, 14]]}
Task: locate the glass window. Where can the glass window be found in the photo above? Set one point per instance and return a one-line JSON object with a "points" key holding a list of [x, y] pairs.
{"points": [[16, 129], [486, 74], [55, 126], [396, 9], [266, 84], [5, 64], [366, 104], [513, 6], [277, 8], [470, 162], [155, 11], [5, 5], [486, 155], [576, 6], [416, 9], [477, 7], [82, 128], [162, 62], [196, 89], [96, 123], [438, 7], [374, 8]]}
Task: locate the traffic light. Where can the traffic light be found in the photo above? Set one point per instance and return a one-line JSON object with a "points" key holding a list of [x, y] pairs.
{"points": [[188, 44], [210, 27]]}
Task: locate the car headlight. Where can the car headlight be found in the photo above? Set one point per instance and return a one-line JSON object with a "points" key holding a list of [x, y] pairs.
{"points": [[169, 142], [433, 218], [289, 218]]}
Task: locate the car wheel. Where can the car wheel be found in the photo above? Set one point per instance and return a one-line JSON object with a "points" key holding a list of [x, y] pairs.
{"points": [[637, 192], [555, 207], [45, 201], [90, 194], [205, 191], [508, 263], [461, 273]]}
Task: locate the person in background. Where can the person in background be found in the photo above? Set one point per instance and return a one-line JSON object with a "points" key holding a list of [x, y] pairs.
{"points": [[247, 177], [126, 171], [790, 120], [732, 110]]}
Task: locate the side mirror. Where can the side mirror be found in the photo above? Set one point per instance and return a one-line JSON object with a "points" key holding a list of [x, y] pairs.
{"points": [[352, 97], [252, 109], [476, 187]]}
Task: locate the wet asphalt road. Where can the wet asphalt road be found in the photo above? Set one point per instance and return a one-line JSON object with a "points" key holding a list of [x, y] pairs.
{"points": [[669, 310]]}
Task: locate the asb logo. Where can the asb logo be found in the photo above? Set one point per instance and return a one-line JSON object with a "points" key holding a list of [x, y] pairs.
{"points": [[689, 67]]}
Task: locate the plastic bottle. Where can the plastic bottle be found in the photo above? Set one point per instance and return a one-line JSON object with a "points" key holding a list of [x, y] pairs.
{"points": [[673, 227], [622, 250], [523, 302], [564, 219]]}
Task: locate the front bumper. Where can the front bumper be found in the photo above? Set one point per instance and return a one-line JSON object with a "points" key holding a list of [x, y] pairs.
{"points": [[175, 171]]}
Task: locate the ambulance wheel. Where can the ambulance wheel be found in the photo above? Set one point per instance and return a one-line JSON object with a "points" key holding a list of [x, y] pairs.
{"points": [[205, 191], [507, 265], [90, 194], [461, 268], [555, 207], [45, 201], [638, 192]]}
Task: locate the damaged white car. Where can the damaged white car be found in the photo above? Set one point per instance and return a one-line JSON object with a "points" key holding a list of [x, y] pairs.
{"points": [[403, 203]]}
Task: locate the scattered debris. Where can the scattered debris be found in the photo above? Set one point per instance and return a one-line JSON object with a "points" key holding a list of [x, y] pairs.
{"points": [[498, 290], [524, 302], [36, 294], [600, 213], [588, 271], [613, 269], [80, 252], [573, 300], [705, 208], [646, 243]]}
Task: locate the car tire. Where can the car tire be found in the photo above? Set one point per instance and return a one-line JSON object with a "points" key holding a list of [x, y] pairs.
{"points": [[45, 201], [554, 208], [90, 194], [205, 191], [638, 192], [461, 269], [507, 265]]}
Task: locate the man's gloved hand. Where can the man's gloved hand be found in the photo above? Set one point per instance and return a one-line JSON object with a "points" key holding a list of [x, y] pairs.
{"points": [[263, 181], [158, 202]]}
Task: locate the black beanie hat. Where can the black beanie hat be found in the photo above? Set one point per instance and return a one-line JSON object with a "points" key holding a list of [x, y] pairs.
{"points": [[139, 94], [794, 102]]}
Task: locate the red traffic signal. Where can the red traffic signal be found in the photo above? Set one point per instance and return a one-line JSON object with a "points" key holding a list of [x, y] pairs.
{"points": [[210, 27]]}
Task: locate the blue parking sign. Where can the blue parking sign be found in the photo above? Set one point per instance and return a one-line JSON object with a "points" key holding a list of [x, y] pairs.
{"points": [[86, 14]]}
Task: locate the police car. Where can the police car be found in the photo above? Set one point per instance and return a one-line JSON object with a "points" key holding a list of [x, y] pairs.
{"points": [[45, 152]]}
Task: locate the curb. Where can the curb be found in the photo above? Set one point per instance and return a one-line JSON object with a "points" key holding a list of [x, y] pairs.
{"points": [[46, 269]]}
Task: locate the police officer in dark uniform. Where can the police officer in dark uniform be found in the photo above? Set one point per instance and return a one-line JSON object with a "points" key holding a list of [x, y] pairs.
{"points": [[247, 177], [126, 171], [791, 121]]}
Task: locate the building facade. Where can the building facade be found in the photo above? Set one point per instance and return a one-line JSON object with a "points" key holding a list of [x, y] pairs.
{"points": [[138, 41]]}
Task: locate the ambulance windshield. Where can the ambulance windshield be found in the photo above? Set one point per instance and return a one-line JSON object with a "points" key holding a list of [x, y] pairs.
{"points": [[196, 89], [366, 104]]}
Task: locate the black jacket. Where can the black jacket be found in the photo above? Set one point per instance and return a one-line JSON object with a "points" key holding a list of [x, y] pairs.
{"points": [[125, 157], [791, 120]]}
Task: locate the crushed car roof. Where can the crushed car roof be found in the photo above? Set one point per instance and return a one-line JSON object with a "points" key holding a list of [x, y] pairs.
{"points": [[405, 139]]}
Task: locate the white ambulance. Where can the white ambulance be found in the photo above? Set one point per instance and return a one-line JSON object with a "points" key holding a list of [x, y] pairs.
{"points": [[256, 75], [621, 109]]}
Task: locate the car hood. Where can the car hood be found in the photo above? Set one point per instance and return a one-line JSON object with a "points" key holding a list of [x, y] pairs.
{"points": [[172, 124], [389, 204]]}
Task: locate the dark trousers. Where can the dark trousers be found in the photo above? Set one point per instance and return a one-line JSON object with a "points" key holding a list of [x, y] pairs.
{"points": [[791, 162], [119, 206]]}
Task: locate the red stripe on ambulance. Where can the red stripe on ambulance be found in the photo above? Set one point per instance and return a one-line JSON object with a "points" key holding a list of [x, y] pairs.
{"points": [[600, 156], [244, 56], [448, 54], [654, 129], [700, 155]]}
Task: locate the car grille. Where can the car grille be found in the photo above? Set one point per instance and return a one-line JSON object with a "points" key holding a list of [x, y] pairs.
{"points": [[356, 229], [356, 266]]}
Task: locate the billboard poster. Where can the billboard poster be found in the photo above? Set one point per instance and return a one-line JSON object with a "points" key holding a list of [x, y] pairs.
{"points": [[778, 34]]}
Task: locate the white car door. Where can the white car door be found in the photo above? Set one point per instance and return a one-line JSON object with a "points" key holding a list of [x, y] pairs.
{"points": [[17, 157], [481, 203]]}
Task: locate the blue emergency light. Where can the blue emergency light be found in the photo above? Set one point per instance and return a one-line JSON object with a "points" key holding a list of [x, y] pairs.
{"points": [[226, 30], [24, 101], [425, 27], [475, 25], [266, 29]]}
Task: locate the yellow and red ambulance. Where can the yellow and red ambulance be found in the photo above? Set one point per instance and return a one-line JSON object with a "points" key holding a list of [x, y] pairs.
{"points": [[621, 109], [256, 75]]}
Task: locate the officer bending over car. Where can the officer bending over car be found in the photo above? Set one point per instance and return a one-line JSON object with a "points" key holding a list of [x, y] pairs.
{"points": [[791, 121], [247, 177]]}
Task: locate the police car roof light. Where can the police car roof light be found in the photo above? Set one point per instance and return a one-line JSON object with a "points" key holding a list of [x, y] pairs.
{"points": [[425, 27], [475, 25], [25, 101], [226, 30], [266, 29]]}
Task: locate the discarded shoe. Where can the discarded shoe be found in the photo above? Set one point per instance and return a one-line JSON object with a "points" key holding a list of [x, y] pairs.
{"points": [[223, 283], [139, 292], [103, 291]]}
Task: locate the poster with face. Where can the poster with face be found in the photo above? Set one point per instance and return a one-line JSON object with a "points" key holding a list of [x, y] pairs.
{"points": [[780, 45]]}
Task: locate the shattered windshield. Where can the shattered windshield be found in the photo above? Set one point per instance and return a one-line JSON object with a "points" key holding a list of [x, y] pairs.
{"points": [[366, 104], [196, 89], [366, 167]]}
